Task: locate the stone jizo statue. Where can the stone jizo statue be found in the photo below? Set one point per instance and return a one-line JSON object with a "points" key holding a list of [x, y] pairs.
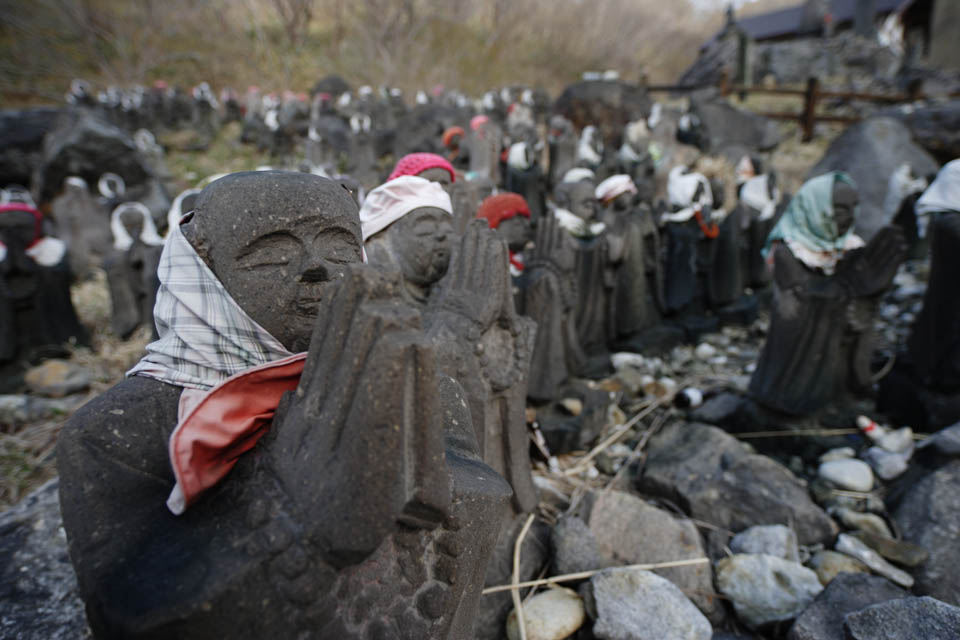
{"points": [[288, 460]]}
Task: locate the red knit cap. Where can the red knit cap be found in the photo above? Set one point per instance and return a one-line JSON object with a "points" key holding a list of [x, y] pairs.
{"points": [[37, 217], [415, 163], [503, 206], [449, 134]]}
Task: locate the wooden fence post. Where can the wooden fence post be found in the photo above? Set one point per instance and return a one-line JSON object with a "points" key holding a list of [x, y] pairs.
{"points": [[809, 117]]}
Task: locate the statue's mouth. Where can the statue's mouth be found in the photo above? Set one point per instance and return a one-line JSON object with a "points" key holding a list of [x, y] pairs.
{"points": [[20, 287]]}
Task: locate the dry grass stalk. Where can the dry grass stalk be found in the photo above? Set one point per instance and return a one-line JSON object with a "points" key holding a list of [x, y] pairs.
{"points": [[515, 588], [583, 575]]}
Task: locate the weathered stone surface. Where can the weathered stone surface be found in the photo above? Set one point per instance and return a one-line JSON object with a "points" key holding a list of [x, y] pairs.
{"points": [[934, 126], [830, 564], [929, 516], [855, 548], [630, 531], [365, 512], [717, 410], [639, 605], [850, 474], [729, 129], [766, 589], [554, 614], [575, 547], [22, 133], [86, 146], [714, 478], [870, 152], [905, 619], [899, 551], [773, 540], [848, 592], [38, 587]]}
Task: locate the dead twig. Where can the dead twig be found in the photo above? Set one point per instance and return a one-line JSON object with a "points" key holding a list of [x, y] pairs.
{"points": [[583, 575], [515, 586]]}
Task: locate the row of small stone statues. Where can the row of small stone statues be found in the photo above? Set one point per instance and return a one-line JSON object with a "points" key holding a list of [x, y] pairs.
{"points": [[318, 448]]}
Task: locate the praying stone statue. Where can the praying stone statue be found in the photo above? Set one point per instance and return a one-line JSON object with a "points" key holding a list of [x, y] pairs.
{"points": [[637, 303], [407, 227], [548, 295], [826, 282], [428, 166], [406, 223], [37, 318], [924, 388], [259, 491], [759, 200], [485, 144], [595, 253], [523, 176], [635, 160], [509, 214], [132, 269], [690, 236], [455, 142], [466, 197], [82, 224], [562, 143]]}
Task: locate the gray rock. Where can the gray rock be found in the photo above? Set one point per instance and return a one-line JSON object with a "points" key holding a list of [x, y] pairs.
{"points": [[905, 619], [627, 530], [870, 152], [639, 605], [18, 409], [851, 474], [830, 564], [935, 127], [945, 442], [849, 592], [575, 547], [855, 548], [714, 478], [766, 589], [38, 587], [718, 409], [773, 540], [725, 127], [899, 551], [886, 464], [929, 516]]}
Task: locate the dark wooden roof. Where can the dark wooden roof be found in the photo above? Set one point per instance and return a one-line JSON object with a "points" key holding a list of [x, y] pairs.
{"points": [[788, 22]]}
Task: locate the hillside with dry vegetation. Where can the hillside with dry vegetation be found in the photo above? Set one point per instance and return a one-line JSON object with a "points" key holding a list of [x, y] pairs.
{"points": [[288, 44]]}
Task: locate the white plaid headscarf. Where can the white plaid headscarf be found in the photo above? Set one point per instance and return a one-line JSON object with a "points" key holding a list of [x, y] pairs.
{"points": [[205, 337]]}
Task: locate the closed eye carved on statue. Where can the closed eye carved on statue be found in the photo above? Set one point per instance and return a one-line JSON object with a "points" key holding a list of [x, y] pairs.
{"points": [[271, 252]]}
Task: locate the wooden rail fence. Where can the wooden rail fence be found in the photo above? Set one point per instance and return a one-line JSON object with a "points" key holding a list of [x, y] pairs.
{"points": [[812, 96]]}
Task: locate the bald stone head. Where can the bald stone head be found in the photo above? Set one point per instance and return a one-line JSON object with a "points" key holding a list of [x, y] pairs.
{"points": [[276, 240]]}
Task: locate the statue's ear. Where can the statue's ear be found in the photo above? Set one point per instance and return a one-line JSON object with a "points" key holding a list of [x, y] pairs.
{"points": [[196, 239]]}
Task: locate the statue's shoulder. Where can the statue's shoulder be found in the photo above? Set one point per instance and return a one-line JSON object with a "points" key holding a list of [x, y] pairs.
{"points": [[129, 424]]}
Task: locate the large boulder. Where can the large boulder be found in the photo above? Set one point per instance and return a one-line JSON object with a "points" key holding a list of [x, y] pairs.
{"points": [[848, 592], [905, 619], [38, 587], [934, 126], [606, 104], [21, 142], [870, 151], [712, 477], [732, 132], [929, 515]]}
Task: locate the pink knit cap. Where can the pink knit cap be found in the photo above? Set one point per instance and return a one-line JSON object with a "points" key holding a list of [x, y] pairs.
{"points": [[415, 163]]}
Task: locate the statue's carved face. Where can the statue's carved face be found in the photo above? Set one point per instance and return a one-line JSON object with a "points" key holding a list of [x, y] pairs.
{"points": [[517, 231], [583, 201], [845, 199], [422, 242], [18, 271], [276, 240], [438, 175]]}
